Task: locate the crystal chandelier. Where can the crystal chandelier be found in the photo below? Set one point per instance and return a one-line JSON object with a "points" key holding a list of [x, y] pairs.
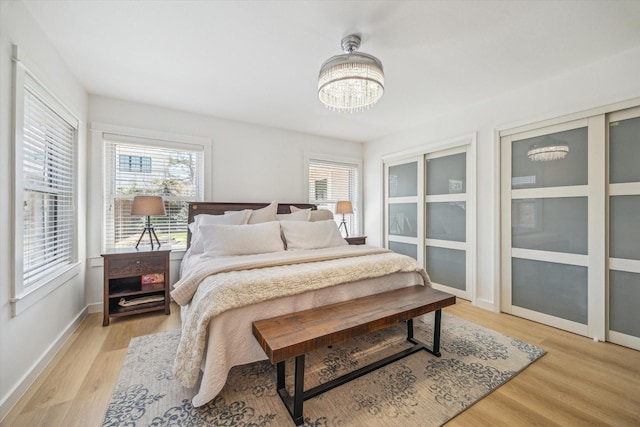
{"points": [[548, 149], [351, 82]]}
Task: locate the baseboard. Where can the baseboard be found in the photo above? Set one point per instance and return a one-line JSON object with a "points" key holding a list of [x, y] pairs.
{"points": [[97, 307], [39, 366]]}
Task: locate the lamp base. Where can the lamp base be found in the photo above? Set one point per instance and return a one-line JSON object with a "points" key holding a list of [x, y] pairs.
{"points": [[344, 224], [152, 234]]}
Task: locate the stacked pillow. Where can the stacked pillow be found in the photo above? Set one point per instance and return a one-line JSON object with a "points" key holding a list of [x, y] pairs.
{"points": [[311, 235], [299, 215], [319, 215], [266, 214], [263, 231], [229, 218], [225, 240]]}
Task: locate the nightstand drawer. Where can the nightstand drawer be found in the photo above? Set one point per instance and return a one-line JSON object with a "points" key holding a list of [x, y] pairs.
{"points": [[135, 266]]}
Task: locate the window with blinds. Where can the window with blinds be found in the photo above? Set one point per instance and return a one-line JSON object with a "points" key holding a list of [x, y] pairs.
{"points": [[331, 182], [140, 166], [48, 171]]}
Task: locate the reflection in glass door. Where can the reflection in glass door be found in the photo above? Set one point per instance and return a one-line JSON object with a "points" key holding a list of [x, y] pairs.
{"points": [[403, 207], [446, 221], [624, 228]]}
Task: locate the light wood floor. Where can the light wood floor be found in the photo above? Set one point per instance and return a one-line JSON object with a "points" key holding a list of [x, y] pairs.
{"points": [[577, 383]]}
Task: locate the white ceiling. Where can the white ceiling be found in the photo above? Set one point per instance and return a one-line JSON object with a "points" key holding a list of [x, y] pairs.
{"points": [[258, 61]]}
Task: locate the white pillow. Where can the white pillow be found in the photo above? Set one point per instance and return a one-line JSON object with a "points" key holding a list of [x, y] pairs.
{"points": [[301, 215], [317, 215], [223, 240], [266, 214], [311, 235], [229, 218], [321, 215]]}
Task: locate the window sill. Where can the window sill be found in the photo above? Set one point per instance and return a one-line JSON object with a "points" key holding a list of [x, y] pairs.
{"points": [[37, 292]]}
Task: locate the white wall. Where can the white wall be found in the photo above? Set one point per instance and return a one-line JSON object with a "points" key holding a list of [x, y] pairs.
{"points": [[250, 163], [29, 340], [608, 81]]}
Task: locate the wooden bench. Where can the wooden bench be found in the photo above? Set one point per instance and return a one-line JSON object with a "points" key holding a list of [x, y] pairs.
{"points": [[295, 334]]}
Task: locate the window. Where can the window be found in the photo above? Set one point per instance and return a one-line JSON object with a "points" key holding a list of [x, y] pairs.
{"points": [[135, 163], [333, 181], [321, 187], [144, 166], [45, 203]]}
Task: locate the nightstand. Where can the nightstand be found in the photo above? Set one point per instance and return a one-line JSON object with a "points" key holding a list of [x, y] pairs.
{"points": [[356, 240], [136, 281]]}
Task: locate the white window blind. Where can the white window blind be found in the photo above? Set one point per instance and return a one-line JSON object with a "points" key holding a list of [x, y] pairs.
{"points": [[330, 182], [48, 160], [140, 166]]}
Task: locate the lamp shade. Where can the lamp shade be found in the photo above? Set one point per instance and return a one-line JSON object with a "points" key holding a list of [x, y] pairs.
{"points": [[148, 205], [344, 207]]}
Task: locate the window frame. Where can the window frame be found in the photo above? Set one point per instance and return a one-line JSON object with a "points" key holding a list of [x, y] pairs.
{"points": [[23, 297], [340, 160], [102, 132]]}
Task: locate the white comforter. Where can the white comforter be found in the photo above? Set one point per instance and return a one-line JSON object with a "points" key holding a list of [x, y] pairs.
{"points": [[221, 297]]}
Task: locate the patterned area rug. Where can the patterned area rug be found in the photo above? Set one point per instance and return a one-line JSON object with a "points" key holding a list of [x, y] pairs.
{"points": [[419, 390]]}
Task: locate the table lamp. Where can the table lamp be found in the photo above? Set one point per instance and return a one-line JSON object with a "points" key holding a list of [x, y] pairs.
{"points": [[344, 207], [148, 205]]}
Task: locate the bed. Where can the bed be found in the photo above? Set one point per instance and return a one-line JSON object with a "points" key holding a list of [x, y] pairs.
{"points": [[251, 261]]}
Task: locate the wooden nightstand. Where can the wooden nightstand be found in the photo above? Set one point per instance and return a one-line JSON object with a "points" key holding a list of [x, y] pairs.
{"points": [[356, 240], [140, 278]]}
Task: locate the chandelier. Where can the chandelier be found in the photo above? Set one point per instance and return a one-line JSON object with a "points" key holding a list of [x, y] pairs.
{"points": [[351, 82], [548, 149]]}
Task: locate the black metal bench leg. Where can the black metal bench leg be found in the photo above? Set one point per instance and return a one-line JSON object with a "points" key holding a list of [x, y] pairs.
{"points": [[436, 333], [298, 394], [280, 376]]}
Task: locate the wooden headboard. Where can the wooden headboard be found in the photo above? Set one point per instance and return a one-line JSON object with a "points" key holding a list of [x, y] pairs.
{"points": [[219, 208]]}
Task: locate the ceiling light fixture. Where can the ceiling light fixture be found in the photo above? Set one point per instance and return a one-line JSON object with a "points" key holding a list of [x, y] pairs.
{"points": [[548, 149], [351, 82]]}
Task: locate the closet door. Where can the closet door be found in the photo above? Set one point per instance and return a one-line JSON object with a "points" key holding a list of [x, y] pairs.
{"points": [[403, 208], [546, 214], [624, 228], [447, 221]]}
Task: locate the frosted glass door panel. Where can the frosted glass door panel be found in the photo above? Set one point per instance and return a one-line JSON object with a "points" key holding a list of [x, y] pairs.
{"points": [[624, 151], [403, 180], [570, 170], [446, 266], [555, 289], [447, 175], [624, 298], [407, 249], [553, 224], [624, 237], [403, 219], [447, 221]]}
